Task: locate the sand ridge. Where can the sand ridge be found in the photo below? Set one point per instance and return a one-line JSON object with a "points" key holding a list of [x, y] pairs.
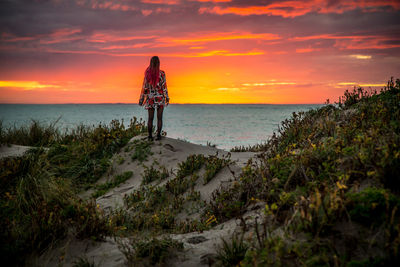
{"points": [[199, 248], [167, 152]]}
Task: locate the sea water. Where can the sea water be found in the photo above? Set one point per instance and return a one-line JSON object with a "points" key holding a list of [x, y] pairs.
{"points": [[225, 126]]}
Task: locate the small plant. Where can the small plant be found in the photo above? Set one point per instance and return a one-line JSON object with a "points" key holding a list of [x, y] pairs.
{"points": [[233, 252], [155, 250], [104, 188], [213, 166], [141, 150], [253, 148], [83, 262], [193, 195], [192, 164], [120, 160], [179, 185], [152, 174], [211, 144]]}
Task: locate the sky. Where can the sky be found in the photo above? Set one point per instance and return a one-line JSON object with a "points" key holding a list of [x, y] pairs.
{"points": [[213, 51]]}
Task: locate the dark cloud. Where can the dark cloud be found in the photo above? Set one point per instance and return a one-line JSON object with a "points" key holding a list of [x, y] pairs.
{"points": [[100, 27]]}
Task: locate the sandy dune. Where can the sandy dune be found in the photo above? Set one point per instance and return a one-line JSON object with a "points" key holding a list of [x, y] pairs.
{"points": [[198, 247]]}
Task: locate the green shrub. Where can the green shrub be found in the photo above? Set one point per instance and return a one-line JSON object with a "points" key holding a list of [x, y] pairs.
{"points": [[372, 206]]}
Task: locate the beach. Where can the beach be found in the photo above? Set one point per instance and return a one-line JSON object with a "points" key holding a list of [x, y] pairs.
{"points": [[107, 196]]}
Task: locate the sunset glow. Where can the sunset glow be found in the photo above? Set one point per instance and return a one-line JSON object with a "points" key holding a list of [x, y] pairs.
{"points": [[213, 51]]}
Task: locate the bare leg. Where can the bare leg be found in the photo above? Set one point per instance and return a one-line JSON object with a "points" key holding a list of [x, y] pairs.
{"points": [[150, 122], [160, 110]]}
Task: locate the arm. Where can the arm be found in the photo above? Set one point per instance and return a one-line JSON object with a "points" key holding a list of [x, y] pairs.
{"points": [[165, 90], [142, 94]]}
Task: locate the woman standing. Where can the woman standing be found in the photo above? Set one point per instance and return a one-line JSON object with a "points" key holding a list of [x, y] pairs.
{"points": [[154, 95]]}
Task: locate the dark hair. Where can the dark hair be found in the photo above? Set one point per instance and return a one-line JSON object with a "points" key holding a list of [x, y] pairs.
{"points": [[152, 73]]}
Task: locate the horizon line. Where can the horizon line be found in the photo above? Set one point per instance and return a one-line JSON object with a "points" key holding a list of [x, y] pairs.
{"points": [[122, 103]]}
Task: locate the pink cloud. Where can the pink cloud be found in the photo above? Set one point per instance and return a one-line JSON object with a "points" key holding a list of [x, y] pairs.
{"points": [[298, 8], [147, 12], [57, 36], [110, 5], [7, 37], [103, 37], [306, 50], [356, 41], [215, 1]]}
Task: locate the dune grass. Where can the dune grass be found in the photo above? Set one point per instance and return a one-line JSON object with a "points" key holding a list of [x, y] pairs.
{"points": [[38, 201]]}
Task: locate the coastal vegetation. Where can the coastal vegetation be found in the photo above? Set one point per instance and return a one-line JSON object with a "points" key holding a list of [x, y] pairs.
{"points": [[329, 185], [38, 191], [326, 184]]}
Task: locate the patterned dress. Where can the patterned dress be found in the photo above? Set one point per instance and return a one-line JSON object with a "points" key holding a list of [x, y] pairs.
{"points": [[154, 97]]}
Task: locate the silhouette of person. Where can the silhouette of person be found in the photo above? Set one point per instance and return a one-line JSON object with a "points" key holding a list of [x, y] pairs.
{"points": [[154, 95]]}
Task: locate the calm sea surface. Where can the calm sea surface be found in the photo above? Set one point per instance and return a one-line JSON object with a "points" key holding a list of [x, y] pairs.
{"points": [[224, 125]]}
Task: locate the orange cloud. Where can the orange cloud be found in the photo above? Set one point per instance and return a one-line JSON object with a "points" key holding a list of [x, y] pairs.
{"points": [[26, 85], [273, 82], [222, 36], [165, 2], [224, 53], [116, 47], [290, 9], [361, 84], [228, 89], [361, 56]]}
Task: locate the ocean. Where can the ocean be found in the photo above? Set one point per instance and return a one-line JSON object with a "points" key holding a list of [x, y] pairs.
{"points": [[226, 125]]}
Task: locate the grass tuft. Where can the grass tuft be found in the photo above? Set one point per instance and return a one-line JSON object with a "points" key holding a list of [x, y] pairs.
{"points": [[101, 189], [154, 250], [232, 252]]}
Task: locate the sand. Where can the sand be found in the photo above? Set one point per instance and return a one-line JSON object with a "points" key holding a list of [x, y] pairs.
{"points": [[199, 248], [13, 151]]}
